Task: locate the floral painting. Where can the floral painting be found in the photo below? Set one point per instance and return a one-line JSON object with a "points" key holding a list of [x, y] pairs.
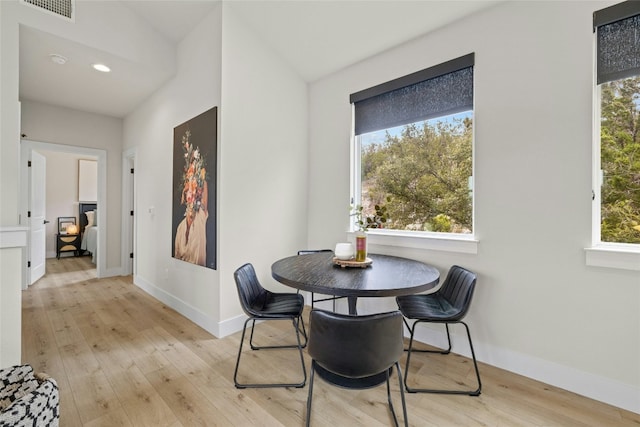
{"points": [[194, 190]]}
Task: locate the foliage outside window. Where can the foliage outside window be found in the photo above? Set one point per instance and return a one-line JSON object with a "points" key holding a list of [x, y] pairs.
{"points": [[618, 162], [414, 149], [423, 169]]}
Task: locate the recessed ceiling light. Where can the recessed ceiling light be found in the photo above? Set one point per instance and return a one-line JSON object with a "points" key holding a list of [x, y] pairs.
{"points": [[101, 67], [58, 59]]}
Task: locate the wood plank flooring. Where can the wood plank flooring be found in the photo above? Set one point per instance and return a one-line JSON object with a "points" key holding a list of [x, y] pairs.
{"points": [[121, 358]]}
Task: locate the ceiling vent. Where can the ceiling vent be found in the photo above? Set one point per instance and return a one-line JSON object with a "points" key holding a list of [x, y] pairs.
{"points": [[62, 8]]}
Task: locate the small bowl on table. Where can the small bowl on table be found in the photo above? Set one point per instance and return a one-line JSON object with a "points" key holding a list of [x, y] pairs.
{"points": [[344, 251]]}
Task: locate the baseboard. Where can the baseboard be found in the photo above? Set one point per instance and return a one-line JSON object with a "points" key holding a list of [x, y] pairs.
{"points": [[188, 311], [602, 389], [112, 272], [231, 326]]}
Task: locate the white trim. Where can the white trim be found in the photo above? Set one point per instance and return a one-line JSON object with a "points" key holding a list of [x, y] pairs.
{"points": [[604, 254], [185, 309], [218, 329], [596, 387], [112, 272], [13, 237], [231, 326], [596, 172], [355, 165], [128, 241], [447, 242], [626, 257]]}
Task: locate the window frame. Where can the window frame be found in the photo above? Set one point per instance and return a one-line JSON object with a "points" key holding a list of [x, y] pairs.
{"points": [[448, 242], [604, 254]]}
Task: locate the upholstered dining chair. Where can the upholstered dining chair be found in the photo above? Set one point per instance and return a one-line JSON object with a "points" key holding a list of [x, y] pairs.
{"points": [[356, 352], [260, 304], [449, 304], [332, 298]]}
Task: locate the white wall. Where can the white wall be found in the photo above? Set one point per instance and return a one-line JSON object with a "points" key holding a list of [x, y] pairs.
{"points": [[9, 119], [263, 168], [62, 192], [190, 289], [262, 122], [538, 309], [53, 124]]}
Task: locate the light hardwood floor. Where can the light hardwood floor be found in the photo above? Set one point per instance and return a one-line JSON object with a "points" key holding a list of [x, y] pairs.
{"points": [[121, 358]]}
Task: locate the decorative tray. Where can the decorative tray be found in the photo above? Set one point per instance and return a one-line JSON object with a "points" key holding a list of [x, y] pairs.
{"points": [[352, 262]]}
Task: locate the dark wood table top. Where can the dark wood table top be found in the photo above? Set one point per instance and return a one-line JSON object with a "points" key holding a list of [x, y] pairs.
{"points": [[386, 276]]}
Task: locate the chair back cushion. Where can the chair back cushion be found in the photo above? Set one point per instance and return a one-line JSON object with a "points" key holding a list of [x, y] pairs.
{"points": [[457, 289], [355, 346], [251, 293]]}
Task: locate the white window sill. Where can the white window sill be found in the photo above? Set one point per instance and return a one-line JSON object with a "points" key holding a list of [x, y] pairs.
{"points": [[461, 243], [621, 256]]}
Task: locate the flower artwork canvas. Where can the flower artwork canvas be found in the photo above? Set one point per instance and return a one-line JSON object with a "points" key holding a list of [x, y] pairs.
{"points": [[194, 190]]}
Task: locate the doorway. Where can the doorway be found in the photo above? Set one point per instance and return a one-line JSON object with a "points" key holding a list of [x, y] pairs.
{"points": [[26, 150]]}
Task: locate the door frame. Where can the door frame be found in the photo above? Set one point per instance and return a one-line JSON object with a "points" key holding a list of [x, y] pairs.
{"points": [[128, 205], [37, 230], [26, 147]]}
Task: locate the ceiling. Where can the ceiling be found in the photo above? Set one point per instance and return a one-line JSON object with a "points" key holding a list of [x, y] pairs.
{"points": [[316, 38]]}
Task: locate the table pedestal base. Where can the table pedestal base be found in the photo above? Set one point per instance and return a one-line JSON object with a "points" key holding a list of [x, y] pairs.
{"points": [[353, 302]]}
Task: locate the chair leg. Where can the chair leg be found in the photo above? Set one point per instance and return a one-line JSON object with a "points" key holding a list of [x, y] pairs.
{"points": [[447, 351], [304, 331], [235, 373], [393, 412], [404, 405], [253, 326], [310, 395], [304, 369], [409, 351], [475, 363], [266, 385], [266, 347], [475, 392]]}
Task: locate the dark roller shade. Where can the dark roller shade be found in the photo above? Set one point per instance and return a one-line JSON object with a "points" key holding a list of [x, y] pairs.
{"points": [[618, 41], [433, 92]]}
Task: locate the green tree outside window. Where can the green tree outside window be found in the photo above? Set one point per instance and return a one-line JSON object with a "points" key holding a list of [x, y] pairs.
{"points": [[422, 175]]}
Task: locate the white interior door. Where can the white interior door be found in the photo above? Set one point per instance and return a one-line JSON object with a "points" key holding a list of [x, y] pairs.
{"points": [[37, 219]]}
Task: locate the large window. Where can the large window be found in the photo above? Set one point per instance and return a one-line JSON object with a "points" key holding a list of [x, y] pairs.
{"points": [[617, 163], [413, 149]]}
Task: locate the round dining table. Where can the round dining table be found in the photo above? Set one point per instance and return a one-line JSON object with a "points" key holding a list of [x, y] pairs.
{"points": [[386, 276]]}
